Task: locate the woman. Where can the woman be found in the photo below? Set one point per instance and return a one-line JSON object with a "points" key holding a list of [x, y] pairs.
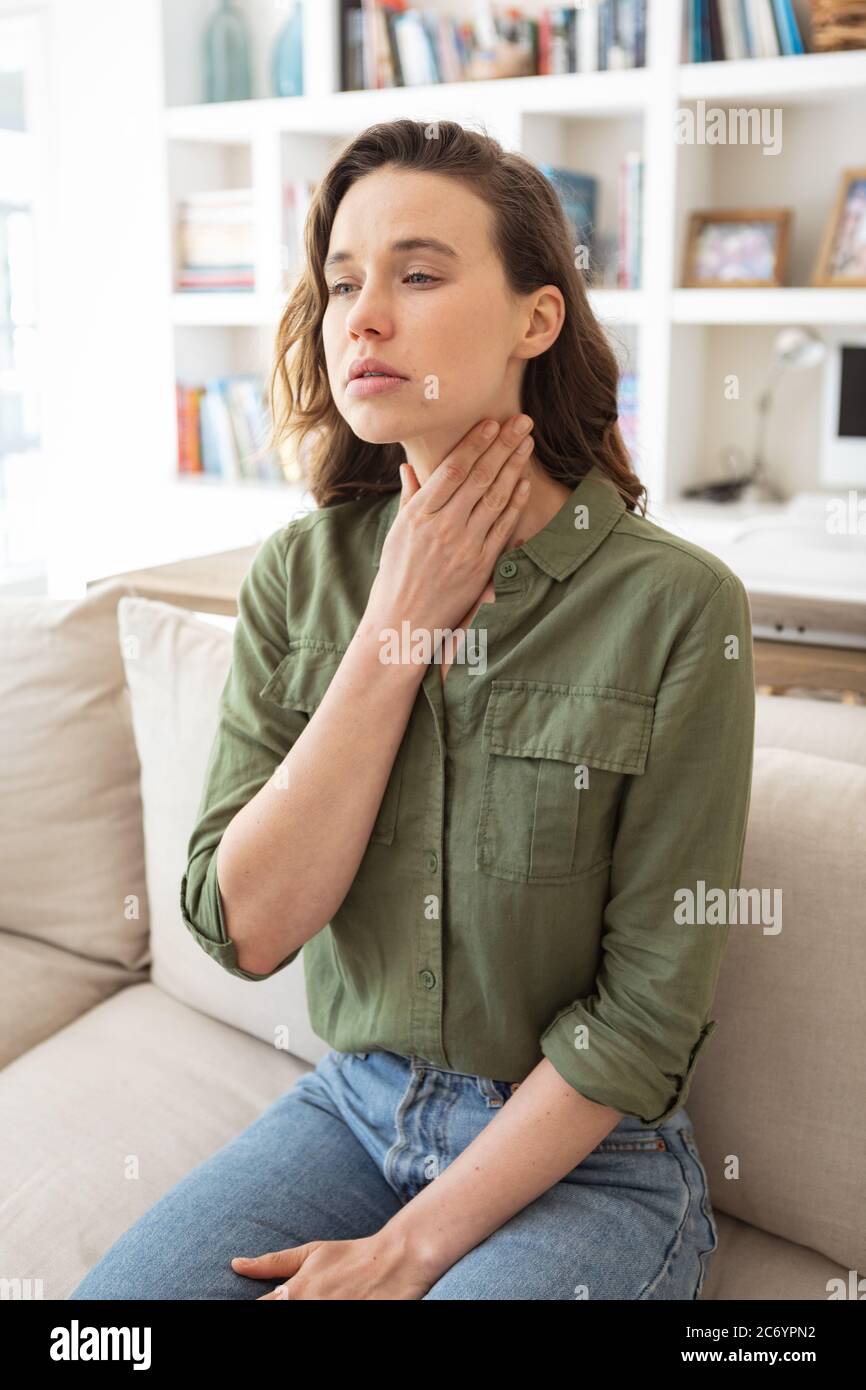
{"points": [[484, 846]]}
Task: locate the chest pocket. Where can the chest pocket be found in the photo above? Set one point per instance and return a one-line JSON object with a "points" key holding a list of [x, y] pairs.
{"points": [[556, 760], [299, 683]]}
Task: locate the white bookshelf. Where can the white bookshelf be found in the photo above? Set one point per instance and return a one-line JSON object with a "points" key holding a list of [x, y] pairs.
{"points": [[683, 342]]}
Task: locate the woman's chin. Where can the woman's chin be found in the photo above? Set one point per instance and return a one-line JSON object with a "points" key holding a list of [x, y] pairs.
{"points": [[389, 428]]}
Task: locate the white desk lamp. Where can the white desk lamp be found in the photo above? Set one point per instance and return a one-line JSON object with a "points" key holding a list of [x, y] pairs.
{"points": [[793, 349]]}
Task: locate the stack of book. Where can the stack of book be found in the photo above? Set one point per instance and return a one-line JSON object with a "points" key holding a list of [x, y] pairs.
{"points": [[221, 429], [387, 44], [719, 29], [216, 239]]}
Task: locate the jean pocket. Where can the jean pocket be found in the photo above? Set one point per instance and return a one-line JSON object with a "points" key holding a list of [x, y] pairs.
{"points": [[635, 1143]]}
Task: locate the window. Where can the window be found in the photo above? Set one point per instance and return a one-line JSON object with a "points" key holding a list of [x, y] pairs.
{"points": [[21, 462]]}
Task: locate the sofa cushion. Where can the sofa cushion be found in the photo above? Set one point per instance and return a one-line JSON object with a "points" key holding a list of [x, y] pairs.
{"points": [[108, 1137], [752, 1265], [826, 727], [176, 667], [45, 987], [102, 1118], [779, 1103], [71, 841]]}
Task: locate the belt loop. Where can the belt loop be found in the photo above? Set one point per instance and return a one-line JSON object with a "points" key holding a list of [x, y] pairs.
{"points": [[489, 1091]]}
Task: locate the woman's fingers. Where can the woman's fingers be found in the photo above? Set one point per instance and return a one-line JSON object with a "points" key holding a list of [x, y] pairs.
{"points": [[409, 484], [502, 523], [473, 465], [452, 472], [275, 1265], [489, 508]]}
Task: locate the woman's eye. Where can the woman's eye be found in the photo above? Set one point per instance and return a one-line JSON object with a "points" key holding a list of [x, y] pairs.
{"points": [[347, 285]]}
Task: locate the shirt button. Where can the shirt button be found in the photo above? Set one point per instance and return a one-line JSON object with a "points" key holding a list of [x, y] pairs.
{"points": [[508, 568], [432, 863], [428, 979]]}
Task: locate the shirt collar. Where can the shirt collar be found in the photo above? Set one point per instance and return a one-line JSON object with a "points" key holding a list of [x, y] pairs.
{"points": [[568, 539]]}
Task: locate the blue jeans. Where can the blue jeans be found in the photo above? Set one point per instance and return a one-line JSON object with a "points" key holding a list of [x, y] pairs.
{"points": [[355, 1139]]}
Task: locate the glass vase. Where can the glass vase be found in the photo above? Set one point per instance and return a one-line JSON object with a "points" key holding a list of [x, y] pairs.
{"points": [[287, 68], [227, 56]]}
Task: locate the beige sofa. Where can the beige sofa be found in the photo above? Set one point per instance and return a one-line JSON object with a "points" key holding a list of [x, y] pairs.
{"points": [[128, 1056]]}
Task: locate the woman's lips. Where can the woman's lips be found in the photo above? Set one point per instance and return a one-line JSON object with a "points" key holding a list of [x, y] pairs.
{"points": [[373, 385]]}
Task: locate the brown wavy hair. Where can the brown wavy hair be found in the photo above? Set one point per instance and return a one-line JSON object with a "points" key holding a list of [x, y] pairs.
{"points": [[570, 390]]}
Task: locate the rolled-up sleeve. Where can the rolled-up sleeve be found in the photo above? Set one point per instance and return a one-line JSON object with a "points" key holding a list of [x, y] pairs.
{"points": [[253, 736], [634, 1042]]}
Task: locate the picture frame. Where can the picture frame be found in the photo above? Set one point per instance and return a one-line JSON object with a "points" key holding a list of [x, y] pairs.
{"points": [[844, 242], [732, 248]]}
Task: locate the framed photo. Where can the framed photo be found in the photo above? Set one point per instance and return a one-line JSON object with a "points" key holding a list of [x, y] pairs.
{"points": [[842, 258], [735, 248]]}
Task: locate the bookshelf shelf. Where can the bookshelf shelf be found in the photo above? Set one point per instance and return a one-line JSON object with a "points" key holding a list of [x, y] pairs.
{"points": [[570, 94], [801, 79], [681, 342], [235, 310], [779, 306]]}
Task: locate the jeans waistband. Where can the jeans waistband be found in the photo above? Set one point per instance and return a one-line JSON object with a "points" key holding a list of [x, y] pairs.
{"points": [[490, 1087]]}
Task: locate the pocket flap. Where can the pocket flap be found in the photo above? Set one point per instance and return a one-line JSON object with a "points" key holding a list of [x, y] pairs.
{"points": [[304, 674], [592, 724]]}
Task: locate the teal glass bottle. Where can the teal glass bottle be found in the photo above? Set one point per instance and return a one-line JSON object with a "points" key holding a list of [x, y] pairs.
{"points": [[287, 68], [226, 55]]}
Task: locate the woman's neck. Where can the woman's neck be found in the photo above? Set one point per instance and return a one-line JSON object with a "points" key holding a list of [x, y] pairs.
{"points": [[546, 497]]}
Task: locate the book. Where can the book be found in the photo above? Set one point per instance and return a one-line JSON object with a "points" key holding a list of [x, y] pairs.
{"points": [[223, 427], [388, 43], [216, 241], [578, 194]]}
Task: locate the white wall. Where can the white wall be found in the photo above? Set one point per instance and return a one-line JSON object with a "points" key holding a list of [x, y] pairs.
{"points": [[103, 264]]}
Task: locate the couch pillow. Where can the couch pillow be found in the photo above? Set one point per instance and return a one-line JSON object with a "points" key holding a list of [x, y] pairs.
{"points": [[176, 667], [779, 1103], [828, 728], [71, 841]]}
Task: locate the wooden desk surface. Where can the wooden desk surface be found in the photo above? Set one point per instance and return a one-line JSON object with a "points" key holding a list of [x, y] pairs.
{"points": [[210, 583]]}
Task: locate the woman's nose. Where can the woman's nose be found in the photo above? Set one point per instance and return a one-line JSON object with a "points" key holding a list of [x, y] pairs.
{"points": [[369, 311]]}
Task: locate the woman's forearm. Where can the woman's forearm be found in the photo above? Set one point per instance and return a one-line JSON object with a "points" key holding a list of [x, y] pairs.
{"points": [[287, 859], [540, 1134]]}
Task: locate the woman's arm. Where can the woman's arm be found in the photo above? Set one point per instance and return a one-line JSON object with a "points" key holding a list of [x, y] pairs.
{"points": [[543, 1131], [289, 856]]}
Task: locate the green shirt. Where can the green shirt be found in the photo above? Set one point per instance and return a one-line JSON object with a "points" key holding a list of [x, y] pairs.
{"points": [[546, 818]]}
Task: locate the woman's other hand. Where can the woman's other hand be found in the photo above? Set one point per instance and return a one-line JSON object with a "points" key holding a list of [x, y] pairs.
{"points": [[375, 1267], [449, 532]]}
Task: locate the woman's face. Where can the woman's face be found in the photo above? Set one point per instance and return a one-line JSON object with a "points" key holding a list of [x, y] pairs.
{"points": [[442, 316]]}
